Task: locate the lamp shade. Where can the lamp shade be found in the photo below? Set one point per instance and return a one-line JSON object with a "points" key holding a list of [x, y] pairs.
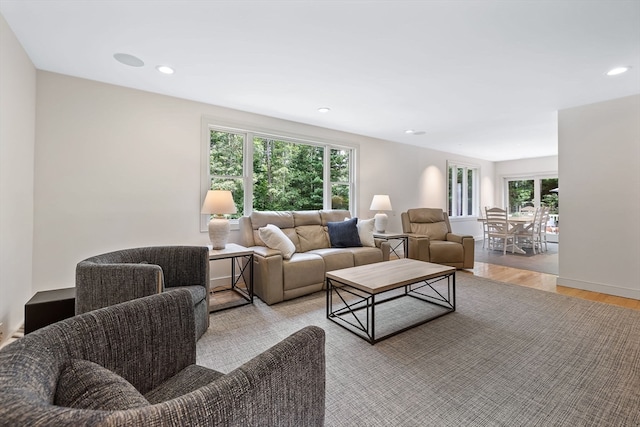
{"points": [[381, 202], [218, 202]]}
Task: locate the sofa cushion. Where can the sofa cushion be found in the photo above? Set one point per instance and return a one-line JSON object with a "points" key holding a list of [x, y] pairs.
{"points": [[312, 237], [306, 218], [344, 234], [443, 252], [303, 269], [335, 258], [334, 215], [365, 255], [282, 219], [86, 385], [433, 230], [189, 379], [275, 238], [425, 215]]}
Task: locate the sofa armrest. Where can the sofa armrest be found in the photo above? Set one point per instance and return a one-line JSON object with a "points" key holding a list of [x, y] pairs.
{"points": [[181, 265], [285, 385], [450, 237], [265, 252], [102, 285], [469, 245], [419, 247], [268, 282], [384, 246]]}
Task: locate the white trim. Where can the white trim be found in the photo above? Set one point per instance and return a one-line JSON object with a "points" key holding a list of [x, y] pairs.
{"points": [[231, 126], [599, 287]]}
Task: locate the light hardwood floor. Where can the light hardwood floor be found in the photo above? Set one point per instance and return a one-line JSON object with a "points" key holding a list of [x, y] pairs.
{"points": [[545, 282]]}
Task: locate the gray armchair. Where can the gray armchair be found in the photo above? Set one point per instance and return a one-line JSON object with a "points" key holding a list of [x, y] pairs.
{"points": [[133, 364], [431, 239], [123, 275]]}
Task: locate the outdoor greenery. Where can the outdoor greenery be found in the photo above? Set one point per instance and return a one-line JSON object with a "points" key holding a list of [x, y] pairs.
{"points": [[286, 175], [521, 193]]}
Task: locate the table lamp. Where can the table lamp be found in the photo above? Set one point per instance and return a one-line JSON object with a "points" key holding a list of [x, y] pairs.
{"points": [[218, 203], [380, 202]]}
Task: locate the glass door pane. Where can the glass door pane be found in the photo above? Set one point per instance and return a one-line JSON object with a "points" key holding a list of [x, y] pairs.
{"points": [[521, 194], [549, 196]]}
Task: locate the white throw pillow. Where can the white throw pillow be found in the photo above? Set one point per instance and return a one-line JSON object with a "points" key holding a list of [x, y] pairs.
{"points": [[365, 231], [275, 238]]}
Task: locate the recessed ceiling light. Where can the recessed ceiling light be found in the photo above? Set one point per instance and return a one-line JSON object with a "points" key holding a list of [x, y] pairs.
{"points": [[409, 131], [164, 69], [130, 60], [324, 109], [618, 70]]}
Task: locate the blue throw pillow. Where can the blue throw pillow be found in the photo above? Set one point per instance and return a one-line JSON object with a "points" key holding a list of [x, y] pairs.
{"points": [[344, 234]]}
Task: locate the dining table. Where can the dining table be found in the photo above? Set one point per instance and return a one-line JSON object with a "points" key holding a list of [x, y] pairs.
{"points": [[517, 223]]}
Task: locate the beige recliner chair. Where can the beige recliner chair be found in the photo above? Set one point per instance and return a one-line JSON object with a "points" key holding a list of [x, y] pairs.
{"points": [[431, 240]]}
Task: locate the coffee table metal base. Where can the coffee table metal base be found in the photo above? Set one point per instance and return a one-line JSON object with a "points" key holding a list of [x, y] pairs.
{"points": [[351, 301]]}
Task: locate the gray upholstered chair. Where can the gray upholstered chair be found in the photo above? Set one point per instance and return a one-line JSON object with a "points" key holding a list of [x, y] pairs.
{"points": [[123, 275], [431, 239], [133, 364]]}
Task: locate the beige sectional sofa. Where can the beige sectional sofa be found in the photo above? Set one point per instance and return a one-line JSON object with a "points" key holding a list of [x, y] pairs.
{"points": [[277, 278]]}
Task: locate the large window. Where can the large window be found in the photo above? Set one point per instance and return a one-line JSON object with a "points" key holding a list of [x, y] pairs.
{"points": [[265, 172], [462, 189]]}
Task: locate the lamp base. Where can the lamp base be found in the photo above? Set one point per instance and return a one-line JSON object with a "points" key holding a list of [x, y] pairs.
{"points": [[380, 222], [219, 232]]}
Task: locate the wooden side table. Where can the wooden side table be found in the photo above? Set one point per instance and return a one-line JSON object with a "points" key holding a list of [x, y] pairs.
{"points": [[47, 307], [395, 246], [240, 291]]}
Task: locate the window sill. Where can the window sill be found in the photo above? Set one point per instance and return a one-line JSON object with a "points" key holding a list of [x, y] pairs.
{"points": [[463, 218]]}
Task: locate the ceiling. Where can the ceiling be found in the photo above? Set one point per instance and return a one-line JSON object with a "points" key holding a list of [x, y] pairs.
{"points": [[478, 78]]}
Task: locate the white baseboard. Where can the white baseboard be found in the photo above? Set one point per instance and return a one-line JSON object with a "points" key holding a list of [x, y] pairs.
{"points": [[599, 287]]}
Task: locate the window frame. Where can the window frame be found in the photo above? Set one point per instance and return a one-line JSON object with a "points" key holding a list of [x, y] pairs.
{"points": [[475, 194], [249, 132]]}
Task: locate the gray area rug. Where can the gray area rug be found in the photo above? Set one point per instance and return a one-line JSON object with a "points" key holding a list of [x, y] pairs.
{"points": [[545, 262], [508, 356]]}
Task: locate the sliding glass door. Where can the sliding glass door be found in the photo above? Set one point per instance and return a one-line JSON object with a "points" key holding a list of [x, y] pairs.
{"points": [[535, 191]]}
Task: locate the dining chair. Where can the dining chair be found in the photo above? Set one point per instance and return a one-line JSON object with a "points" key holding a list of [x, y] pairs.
{"points": [[543, 219], [529, 232], [497, 221], [485, 229], [528, 210]]}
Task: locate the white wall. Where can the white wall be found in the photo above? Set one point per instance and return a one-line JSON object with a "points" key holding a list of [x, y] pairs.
{"points": [[117, 167], [415, 177], [599, 175], [523, 167], [17, 137]]}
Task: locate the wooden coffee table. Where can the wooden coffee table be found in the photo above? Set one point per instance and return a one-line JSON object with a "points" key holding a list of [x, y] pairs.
{"points": [[353, 294]]}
